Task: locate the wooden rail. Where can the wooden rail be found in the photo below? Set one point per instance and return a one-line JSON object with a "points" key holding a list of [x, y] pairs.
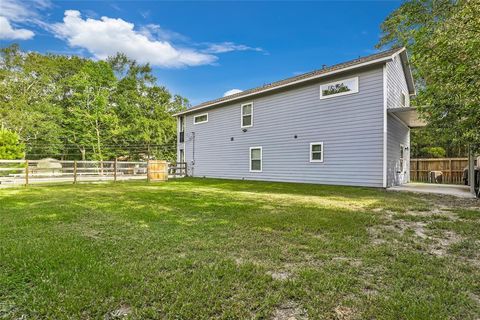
{"points": [[451, 169], [178, 169], [25, 172]]}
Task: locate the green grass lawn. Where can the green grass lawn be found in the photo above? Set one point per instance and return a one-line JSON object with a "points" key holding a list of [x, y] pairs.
{"points": [[221, 249]]}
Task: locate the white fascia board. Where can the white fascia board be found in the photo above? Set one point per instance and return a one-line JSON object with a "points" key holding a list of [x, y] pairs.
{"points": [[384, 59]]}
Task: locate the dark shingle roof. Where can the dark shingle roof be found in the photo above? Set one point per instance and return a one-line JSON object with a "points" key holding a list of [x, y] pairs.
{"points": [[292, 80]]}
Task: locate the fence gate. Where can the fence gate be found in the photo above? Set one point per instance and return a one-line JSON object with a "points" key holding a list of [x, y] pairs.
{"points": [[157, 170]]}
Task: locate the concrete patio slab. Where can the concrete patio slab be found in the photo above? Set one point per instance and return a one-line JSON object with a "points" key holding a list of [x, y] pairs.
{"points": [[446, 189]]}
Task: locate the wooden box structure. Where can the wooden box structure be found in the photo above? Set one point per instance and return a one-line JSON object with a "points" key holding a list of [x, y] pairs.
{"points": [[157, 170]]}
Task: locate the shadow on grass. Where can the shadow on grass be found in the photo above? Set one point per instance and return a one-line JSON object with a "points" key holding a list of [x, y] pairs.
{"points": [[206, 248]]}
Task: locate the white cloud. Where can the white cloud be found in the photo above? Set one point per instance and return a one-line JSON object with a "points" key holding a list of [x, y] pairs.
{"points": [[232, 91], [154, 31], [107, 36], [20, 12], [14, 10], [7, 32], [228, 47]]}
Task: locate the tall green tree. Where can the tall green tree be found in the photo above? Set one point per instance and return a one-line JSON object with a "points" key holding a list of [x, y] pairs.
{"points": [[423, 139], [74, 108], [10, 146], [443, 39], [145, 109], [28, 87], [91, 121]]}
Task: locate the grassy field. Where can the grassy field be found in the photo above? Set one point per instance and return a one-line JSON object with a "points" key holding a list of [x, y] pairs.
{"points": [[220, 249]]}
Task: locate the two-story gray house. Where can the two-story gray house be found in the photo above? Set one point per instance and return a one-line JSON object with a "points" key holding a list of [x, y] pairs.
{"points": [[348, 124]]}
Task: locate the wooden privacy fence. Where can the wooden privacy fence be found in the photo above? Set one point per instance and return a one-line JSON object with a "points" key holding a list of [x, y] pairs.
{"points": [[157, 170], [447, 170], [24, 172]]}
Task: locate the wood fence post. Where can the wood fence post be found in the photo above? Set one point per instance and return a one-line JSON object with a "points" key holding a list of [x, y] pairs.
{"points": [[148, 170], [74, 171], [26, 173], [450, 170], [471, 170], [417, 172], [115, 170]]}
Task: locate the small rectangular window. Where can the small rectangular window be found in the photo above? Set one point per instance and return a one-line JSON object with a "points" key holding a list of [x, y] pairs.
{"points": [[402, 158], [403, 99], [256, 159], [247, 115], [316, 152], [182, 123], [201, 118], [339, 88], [182, 156]]}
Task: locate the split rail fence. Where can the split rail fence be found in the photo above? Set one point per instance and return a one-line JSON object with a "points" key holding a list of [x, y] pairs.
{"points": [[445, 170], [25, 172]]}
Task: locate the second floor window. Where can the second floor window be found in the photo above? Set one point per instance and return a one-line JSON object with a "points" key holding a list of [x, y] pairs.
{"points": [[339, 88], [403, 99], [247, 115], [201, 118], [181, 135]]}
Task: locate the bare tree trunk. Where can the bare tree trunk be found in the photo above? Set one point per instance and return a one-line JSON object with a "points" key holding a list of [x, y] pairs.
{"points": [[83, 151], [99, 148]]}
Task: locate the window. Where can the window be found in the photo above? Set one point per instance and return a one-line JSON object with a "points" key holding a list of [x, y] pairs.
{"points": [[402, 158], [182, 124], [256, 159], [316, 152], [339, 88], [182, 156], [201, 118], [403, 99], [247, 115], [181, 136]]}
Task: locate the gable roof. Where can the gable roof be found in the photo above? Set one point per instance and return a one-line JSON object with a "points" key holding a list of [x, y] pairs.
{"points": [[380, 57]]}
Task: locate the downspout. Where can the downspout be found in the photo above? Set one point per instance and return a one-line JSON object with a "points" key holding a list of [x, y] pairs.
{"points": [[193, 153], [177, 144], [385, 133]]}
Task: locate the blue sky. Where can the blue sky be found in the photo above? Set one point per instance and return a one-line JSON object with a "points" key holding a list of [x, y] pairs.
{"points": [[201, 49]]}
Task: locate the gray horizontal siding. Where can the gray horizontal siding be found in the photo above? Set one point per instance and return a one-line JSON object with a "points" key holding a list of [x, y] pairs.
{"points": [[398, 134], [396, 83], [350, 126]]}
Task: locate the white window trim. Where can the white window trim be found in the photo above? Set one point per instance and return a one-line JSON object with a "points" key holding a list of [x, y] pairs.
{"points": [[355, 88], [181, 152], [385, 133], [241, 115], [250, 159], [406, 99], [402, 159], [182, 123], [200, 115], [311, 153]]}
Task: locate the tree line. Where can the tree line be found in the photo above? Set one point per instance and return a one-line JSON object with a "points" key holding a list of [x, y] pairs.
{"points": [[70, 107], [77, 108], [443, 41]]}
